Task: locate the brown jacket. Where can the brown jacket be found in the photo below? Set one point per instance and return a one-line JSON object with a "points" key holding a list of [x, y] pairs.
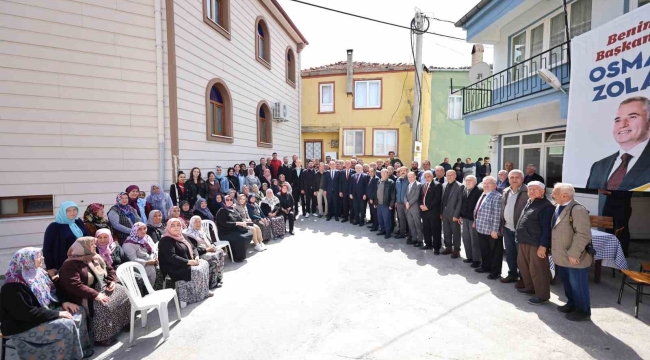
{"points": [[570, 236], [73, 277], [522, 199]]}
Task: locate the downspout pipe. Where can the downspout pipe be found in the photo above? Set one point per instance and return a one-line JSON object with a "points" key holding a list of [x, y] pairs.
{"points": [[160, 100]]}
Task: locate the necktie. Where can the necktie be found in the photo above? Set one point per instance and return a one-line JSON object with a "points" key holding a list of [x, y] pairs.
{"points": [[332, 174], [347, 174], [426, 188], [557, 214], [478, 206], [617, 177], [358, 176]]}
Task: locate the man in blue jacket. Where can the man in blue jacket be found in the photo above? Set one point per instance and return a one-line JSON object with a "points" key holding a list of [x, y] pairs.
{"points": [[371, 190], [345, 179], [358, 187], [332, 192]]}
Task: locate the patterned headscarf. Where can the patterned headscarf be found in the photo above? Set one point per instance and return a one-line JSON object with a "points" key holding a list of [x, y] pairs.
{"points": [[134, 202], [106, 252], [22, 269], [178, 237], [133, 237], [62, 218], [90, 216], [197, 234], [127, 209], [82, 250], [206, 211]]}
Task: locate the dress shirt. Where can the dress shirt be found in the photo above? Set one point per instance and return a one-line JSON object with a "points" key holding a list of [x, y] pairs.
{"points": [[635, 152]]}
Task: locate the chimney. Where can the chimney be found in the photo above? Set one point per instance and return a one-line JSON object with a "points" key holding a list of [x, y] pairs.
{"points": [[477, 54], [350, 72]]}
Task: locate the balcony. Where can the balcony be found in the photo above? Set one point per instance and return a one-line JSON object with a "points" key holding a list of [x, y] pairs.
{"points": [[518, 81]]}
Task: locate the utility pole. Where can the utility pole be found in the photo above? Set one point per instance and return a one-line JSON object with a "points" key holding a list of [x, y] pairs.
{"points": [[419, 25]]}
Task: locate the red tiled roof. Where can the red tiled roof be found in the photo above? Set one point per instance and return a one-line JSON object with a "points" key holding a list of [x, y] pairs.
{"points": [[359, 65]]}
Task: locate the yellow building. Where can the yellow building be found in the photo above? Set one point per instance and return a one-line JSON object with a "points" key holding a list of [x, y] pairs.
{"points": [[368, 118]]}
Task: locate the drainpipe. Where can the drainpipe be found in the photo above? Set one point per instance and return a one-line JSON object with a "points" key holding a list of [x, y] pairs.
{"points": [[160, 101]]}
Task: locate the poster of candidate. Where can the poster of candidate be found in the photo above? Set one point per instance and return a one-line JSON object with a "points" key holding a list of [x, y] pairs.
{"points": [[608, 124]]}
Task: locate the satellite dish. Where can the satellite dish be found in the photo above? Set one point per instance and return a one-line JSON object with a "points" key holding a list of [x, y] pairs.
{"points": [[479, 71], [550, 79]]}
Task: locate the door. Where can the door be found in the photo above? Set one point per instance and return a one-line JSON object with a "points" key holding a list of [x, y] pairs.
{"points": [[313, 150]]}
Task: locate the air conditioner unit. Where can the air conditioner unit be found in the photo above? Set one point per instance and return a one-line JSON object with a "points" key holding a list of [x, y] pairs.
{"points": [[280, 112]]}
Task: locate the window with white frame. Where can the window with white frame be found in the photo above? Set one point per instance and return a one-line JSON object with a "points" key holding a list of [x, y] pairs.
{"points": [[326, 102], [544, 150], [353, 142], [580, 17], [384, 141], [455, 106], [367, 94]]}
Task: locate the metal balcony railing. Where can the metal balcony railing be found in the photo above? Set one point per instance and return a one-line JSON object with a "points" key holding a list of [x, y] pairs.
{"points": [[517, 81]]}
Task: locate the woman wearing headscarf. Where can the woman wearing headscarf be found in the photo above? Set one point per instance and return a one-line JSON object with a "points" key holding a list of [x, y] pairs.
{"points": [[136, 202], [213, 187], [258, 194], [155, 225], [222, 179], [201, 210], [286, 206], [186, 212], [241, 177], [258, 239], [94, 218], [180, 190], [36, 317], [251, 179], [208, 252], [60, 235], [266, 178], [122, 216], [174, 212], [231, 227], [271, 208], [233, 180], [180, 260], [257, 216], [158, 200], [90, 282], [197, 186], [140, 248], [108, 249]]}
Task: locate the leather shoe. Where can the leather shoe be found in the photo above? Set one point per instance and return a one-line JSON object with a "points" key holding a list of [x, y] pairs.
{"points": [[578, 315], [436, 252], [387, 236], [374, 229], [525, 292], [336, 218], [566, 309], [446, 251], [467, 261], [344, 220], [410, 242], [508, 279], [493, 277], [520, 284], [329, 218], [427, 247], [475, 265], [381, 233], [537, 301], [361, 224], [88, 354], [480, 270], [399, 236], [455, 255], [418, 244]]}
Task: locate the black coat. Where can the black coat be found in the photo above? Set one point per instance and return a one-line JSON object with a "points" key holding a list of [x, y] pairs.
{"points": [[469, 203], [307, 181], [286, 171], [21, 311], [57, 240], [534, 177], [178, 196], [286, 201], [173, 257], [344, 183], [228, 230], [155, 233], [197, 190], [371, 189], [296, 181], [432, 198]]}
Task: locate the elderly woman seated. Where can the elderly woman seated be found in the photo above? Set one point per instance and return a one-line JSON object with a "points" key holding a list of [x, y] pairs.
{"points": [[90, 282], [139, 248], [233, 228], [215, 257], [36, 317], [258, 238], [257, 216], [180, 260], [155, 225], [271, 208], [108, 249]]}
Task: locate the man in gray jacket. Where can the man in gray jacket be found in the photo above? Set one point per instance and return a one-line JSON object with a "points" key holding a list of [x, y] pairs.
{"points": [[412, 203], [452, 201], [514, 200]]}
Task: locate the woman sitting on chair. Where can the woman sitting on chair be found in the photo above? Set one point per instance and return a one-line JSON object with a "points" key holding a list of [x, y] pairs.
{"points": [[180, 260], [108, 249], [201, 210], [215, 257], [90, 282], [231, 227], [39, 321], [271, 207], [155, 226], [258, 238], [140, 248]]}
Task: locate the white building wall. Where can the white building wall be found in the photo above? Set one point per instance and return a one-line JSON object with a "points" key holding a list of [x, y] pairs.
{"points": [[77, 105], [202, 55]]}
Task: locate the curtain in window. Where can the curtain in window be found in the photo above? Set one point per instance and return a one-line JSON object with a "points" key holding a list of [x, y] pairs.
{"points": [[380, 142], [374, 94], [358, 142], [580, 17], [557, 37], [326, 95], [361, 94], [349, 143]]}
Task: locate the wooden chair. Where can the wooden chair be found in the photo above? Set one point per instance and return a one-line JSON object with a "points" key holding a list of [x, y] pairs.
{"points": [[637, 280], [605, 222], [645, 267]]}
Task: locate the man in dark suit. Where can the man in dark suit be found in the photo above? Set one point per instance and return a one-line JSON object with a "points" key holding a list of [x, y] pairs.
{"points": [[332, 192], [452, 201], [628, 168], [371, 190], [258, 169], [285, 170], [430, 212], [532, 175], [307, 187], [358, 187], [344, 191], [479, 170], [384, 201], [298, 191]]}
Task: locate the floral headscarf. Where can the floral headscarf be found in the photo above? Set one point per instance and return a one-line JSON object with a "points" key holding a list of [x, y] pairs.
{"points": [[62, 218], [206, 211], [272, 201], [22, 269], [197, 234], [133, 237], [127, 209], [106, 252], [90, 216]]}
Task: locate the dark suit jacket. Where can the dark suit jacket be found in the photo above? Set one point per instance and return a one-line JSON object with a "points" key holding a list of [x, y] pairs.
{"points": [[332, 185], [534, 177], [344, 184], [433, 198], [306, 180], [286, 171], [358, 189], [371, 188], [296, 181], [638, 175]]}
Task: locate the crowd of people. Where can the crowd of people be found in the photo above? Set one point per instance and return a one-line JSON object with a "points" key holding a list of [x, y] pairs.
{"points": [[70, 288]]}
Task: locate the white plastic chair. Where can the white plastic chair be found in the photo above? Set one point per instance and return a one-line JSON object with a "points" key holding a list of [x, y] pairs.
{"points": [[205, 226], [155, 299]]}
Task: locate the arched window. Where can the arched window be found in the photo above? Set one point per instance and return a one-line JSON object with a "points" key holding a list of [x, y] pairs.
{"points": [[218, 112], [264, 125], [291, 67], [263, 42]]}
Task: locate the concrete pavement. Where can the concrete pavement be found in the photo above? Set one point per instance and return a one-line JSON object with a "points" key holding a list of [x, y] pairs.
{"points": [[337, 291]]}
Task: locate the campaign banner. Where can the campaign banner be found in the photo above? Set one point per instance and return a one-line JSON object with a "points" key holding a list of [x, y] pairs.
{"points": [[608, 123]]}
